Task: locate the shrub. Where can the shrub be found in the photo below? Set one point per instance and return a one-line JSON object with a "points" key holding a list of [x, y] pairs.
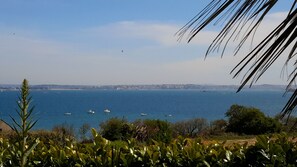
{"points": [[289, 123], [148, 130], [63, 133], [274, 150], [278, 150], [83, 130], [116, 129], [218, 127], [190, 128], [248, 120]]}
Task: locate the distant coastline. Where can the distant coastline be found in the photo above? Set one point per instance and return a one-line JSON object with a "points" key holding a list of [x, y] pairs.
{"points": [[6, 87]]}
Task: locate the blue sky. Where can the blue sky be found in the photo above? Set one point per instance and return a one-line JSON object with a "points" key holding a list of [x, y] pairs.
{"points": [[99, 42]]}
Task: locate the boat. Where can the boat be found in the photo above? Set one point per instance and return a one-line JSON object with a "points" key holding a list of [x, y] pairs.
{"points": [[143, 114], [107, 111], [67, 113], [169, 115], [91, 112]]}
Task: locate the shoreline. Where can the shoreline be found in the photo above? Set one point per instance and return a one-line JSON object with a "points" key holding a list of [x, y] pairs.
{"points": [[145, 87]]}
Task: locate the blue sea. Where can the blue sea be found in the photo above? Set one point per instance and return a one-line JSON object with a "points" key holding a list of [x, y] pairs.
{"points": [[170, 105]]}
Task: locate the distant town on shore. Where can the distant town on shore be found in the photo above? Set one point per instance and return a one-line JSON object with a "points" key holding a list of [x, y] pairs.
{"points": [[4, 87]]}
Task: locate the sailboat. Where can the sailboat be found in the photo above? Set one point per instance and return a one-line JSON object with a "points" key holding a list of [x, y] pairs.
{"points": [[67, 113], [143, 114], [91, 112], [107, 111]]}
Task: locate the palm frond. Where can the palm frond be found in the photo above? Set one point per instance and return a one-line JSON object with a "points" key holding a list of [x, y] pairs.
{"points": [[241, 19]]}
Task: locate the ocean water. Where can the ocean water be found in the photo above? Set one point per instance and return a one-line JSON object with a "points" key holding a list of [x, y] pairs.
{"points": [[51, 106]]}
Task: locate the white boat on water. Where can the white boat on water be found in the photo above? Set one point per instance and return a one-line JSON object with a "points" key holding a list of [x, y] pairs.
{"points": [[143, 114], [107, 111], [67, 113], [91, 112]]}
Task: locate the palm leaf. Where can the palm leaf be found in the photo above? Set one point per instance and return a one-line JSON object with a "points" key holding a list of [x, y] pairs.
{"points": [[241, 19]]}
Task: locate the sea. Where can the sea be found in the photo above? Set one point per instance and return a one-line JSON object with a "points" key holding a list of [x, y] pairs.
{"points": [[56, 107]]}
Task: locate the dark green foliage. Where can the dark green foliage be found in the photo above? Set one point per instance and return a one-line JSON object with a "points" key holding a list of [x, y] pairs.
{"points": [[158, 130], [116, 129], [278, 150], [246, 120], [274, 151], [190, 128]]}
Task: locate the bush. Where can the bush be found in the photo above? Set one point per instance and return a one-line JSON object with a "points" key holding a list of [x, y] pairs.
{"points": [[289, 123], [218, 127], [276, 150], [63, 133], [251, 121], [116, 129], [147, 130], [190, 128], [83, 130]]}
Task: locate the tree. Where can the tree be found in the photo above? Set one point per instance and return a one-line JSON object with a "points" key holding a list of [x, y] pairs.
{"points": [[242, 18], [151, 129], [248, 120], [116, 129], [191, 128], [218, 126]]}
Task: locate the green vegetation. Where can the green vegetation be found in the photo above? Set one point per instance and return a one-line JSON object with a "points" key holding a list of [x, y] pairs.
{"points": [[276, 150], [149, 130], [63, 133], [190, 128], [241, 121], [20, 150], [116, 129], [218, 127], [83, 130], [251, 121]]}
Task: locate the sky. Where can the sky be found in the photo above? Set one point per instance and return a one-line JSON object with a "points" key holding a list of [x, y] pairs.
{"points": [[113, 42]]}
